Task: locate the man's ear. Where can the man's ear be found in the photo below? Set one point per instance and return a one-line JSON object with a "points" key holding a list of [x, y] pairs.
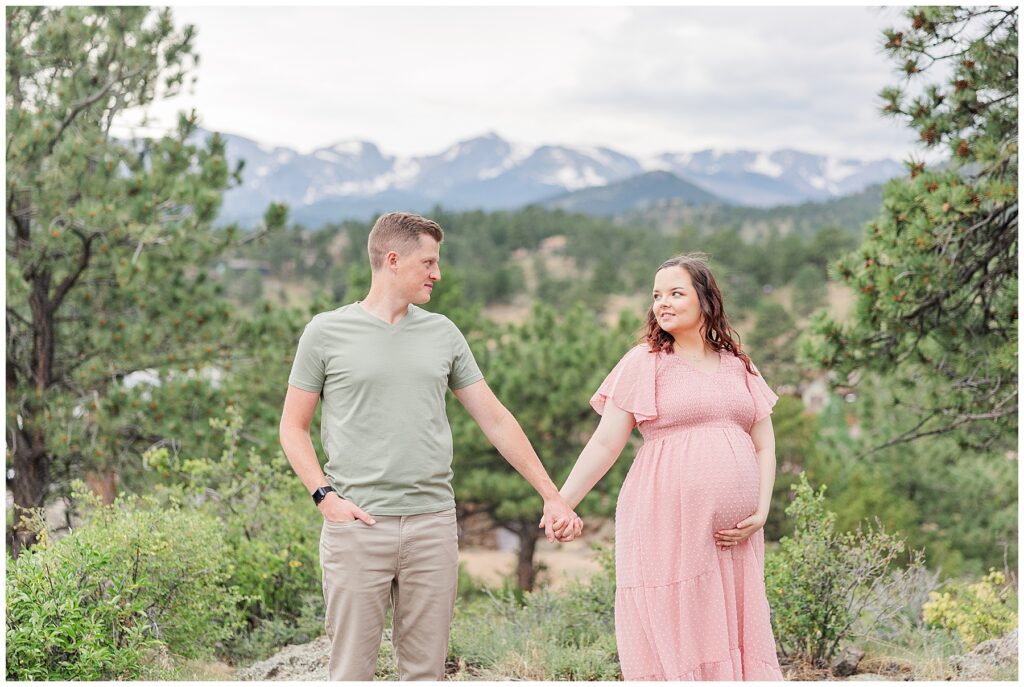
{"points": [[391, 260]]}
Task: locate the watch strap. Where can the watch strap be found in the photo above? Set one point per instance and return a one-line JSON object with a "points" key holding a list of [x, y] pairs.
{"points": [[320, 493]]}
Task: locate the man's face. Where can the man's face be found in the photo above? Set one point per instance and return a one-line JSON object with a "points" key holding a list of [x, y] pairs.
{"points": [[417, 270]]}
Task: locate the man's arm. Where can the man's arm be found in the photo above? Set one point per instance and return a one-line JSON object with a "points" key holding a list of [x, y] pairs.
{"points": [[299, 406], [504, 432]]}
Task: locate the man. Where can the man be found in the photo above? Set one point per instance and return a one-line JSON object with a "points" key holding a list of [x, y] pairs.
{"points": [[382, 366]]}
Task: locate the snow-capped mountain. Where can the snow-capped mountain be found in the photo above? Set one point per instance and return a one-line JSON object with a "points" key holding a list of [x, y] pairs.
{"points": [[781, 178], [356, 179]]}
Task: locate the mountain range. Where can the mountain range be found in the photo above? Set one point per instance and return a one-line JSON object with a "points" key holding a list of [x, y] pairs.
{"points": [[354, 179]]}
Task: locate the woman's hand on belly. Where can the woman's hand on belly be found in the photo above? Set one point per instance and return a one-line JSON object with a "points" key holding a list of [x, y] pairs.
{"points": [[725, 539]]}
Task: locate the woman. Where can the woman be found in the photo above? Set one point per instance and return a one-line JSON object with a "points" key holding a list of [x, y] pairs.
{"points": [[690, 602]]}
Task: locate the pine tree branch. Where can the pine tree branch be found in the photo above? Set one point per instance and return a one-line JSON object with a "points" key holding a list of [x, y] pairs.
{"points": [[999, 411], [85, 103], [83, 264], [951, 38]]}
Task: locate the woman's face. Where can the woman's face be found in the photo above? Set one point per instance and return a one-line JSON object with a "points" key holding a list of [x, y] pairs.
{"points": [[675, 304]]}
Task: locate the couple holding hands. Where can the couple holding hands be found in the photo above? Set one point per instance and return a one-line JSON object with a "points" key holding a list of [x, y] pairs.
{"points": [[690, 602]]}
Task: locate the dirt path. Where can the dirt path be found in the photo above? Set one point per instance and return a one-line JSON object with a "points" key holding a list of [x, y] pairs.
{"points": [[557, 563]]}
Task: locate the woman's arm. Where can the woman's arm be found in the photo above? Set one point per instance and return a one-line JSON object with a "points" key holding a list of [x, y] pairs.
{"points": [[599, 454], [763, 436]]}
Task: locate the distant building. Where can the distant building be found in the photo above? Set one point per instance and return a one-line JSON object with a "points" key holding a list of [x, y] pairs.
{"points": [[243, 265], [815, 395]]}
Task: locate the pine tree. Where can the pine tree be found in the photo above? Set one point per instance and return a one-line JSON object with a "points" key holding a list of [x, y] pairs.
{"points": [[108, 241], [936, 276]]}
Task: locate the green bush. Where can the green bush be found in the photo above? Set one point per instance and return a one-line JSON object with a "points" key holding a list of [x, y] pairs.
{"points": [[131, 580], [983, 610], [276, 552], [271, 529], [276, 564], [820, 581], [267, 635]]}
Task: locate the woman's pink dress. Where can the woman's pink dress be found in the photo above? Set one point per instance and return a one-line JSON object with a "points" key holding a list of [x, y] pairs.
{"points": [[684, 609]]}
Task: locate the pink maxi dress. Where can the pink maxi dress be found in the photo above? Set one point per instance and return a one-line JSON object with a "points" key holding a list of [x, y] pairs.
{"points": [[685, 610]]}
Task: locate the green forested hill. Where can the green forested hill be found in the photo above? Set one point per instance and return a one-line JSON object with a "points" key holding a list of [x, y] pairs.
{"points": [[556, 257], [849, 212], [649, 190]]}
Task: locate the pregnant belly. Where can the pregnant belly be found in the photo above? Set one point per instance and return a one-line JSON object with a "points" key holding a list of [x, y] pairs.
{"points": [[677, 495], [722, 491]]}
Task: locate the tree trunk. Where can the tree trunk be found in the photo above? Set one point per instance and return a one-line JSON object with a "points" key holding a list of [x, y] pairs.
{"points": [[103, 483], [525, 572], [31, 459], [30, 483]]}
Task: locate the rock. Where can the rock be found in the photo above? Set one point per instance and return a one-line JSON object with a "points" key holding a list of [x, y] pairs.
{"points": [[308, 662], [846, 662], [295, 662], [989, 656], [868, 676]]}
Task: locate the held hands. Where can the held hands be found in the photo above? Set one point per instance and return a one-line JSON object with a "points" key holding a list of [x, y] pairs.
{"points": [[726, 539], [560, 522], [337, 509]]}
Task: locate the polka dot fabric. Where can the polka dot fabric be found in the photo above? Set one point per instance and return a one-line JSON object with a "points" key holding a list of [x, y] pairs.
{"points": [[684, 610]]}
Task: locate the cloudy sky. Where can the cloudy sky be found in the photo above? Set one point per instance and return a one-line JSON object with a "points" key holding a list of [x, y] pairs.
{"points": [[640, 80]]}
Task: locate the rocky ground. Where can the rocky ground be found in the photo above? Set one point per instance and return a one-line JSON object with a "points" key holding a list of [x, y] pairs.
{"points": [[297, 662], [994, 659], [987, 659]]}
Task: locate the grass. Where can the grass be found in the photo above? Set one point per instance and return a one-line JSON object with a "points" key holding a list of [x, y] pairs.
{"points": [[542, 635], [204, 671], [921, 652]]}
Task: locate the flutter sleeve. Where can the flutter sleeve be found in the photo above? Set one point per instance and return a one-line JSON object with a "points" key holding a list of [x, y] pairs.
{"points": [[630, 385], [764, 397]]}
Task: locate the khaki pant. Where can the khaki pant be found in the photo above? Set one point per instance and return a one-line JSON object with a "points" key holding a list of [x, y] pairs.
{"points": [[411, 561]]}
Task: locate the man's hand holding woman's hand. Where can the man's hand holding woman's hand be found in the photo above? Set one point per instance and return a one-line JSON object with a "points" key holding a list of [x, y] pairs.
{"points": [[560, 522], [337, 509]]}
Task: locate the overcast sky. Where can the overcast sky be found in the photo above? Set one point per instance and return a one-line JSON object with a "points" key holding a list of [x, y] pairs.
{"points": [[639, 80]]}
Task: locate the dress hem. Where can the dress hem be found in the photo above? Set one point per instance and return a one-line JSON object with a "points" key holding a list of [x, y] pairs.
{"points": [[700, 672]]}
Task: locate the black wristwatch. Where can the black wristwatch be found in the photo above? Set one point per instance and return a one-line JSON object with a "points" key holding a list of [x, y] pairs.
{"points": [[320, 493]]}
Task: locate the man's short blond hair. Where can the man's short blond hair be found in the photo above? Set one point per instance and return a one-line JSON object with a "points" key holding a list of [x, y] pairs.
{"points": [[399, 232]]}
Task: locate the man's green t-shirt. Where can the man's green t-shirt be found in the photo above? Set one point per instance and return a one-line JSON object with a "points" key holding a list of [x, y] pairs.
{"points": [[383, 423]]}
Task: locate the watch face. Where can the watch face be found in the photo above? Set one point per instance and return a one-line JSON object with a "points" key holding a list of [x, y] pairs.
{"points": [[320, 493]]}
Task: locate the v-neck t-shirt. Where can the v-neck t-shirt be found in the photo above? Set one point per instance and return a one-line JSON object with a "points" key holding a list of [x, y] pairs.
{"points": [[383, 423]]}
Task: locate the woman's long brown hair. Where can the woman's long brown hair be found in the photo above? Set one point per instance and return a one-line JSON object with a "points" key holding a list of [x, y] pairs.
{"points": [[715, 327]]}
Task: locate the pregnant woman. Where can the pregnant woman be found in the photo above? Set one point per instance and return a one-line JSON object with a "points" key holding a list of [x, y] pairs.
{"points": [[690, 602]]}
